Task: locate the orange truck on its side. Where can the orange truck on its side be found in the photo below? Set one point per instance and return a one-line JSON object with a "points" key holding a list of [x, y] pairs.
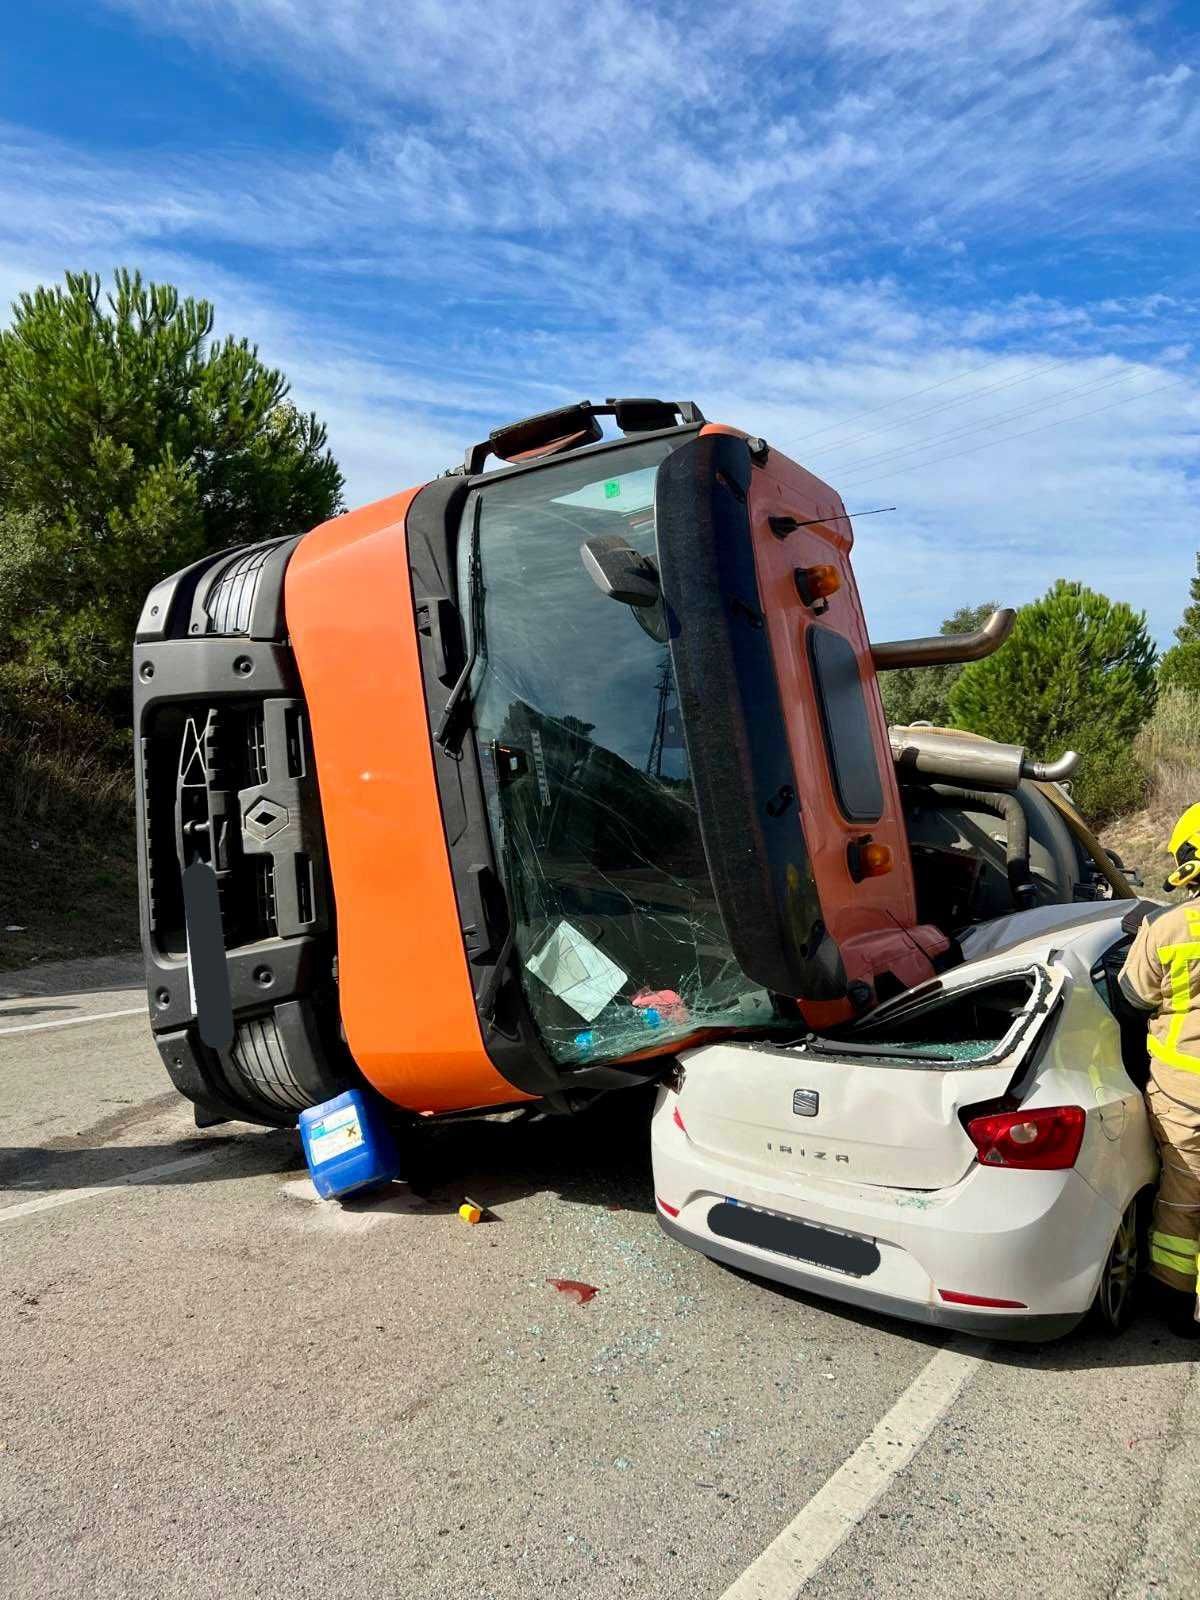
{"points": [[505, 788]]}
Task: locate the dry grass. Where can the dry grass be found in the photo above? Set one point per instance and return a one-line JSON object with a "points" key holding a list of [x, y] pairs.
{"points": [[1173, 732], [1169, 748]]}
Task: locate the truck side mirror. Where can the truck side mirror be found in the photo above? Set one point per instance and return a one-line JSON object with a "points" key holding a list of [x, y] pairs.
{"points": [[620, 571]]}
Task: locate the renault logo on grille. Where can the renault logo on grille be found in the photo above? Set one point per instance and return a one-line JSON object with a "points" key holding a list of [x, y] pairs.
{"points": [[805, 1102]]}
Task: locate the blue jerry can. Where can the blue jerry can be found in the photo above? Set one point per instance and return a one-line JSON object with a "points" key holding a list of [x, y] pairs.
{"points": [[347, 1145]]}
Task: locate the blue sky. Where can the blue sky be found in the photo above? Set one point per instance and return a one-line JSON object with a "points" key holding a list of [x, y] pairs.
{"points": [[943, 251]]}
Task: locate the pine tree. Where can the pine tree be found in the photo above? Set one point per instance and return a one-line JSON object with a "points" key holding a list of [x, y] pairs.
{"points": [[1180, 667], [1076, 672], [132, 442], [1188, 631]]}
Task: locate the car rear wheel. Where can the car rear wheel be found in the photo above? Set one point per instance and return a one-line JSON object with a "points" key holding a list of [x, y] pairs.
{"points": [[1115, 1296]]}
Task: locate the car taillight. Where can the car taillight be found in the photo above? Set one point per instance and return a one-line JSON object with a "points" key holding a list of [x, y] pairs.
{"points": [[678, 1120], [672, 1211], [1040, 1140]]}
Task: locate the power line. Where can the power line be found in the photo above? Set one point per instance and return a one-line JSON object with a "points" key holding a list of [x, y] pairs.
{"points": [[911, 394], [990, 422], [948, 405], [1044, 427], [914, 394]]}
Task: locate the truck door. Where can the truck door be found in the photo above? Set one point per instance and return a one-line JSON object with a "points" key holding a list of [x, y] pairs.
{"points": [[799, 806]]}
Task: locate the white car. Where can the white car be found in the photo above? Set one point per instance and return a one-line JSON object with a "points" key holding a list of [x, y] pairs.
{"points": [[975, 1155]]}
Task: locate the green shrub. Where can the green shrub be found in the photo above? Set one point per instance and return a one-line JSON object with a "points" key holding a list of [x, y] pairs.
{"points": [[1110, 779]]}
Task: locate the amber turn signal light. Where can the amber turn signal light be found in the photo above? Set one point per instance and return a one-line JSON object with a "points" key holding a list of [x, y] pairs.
{"points": [[869, 859], [814, 584]]}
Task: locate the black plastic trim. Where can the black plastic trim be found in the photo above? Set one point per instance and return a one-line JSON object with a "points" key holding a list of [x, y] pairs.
{"points": [[510, 1038], [164, 606], [183, 665], [193, 1071], [845, 723], [747, 792]]}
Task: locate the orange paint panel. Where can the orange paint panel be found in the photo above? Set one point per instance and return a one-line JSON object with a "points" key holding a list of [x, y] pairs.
{"points": [[869, 920], [407, 1002]]}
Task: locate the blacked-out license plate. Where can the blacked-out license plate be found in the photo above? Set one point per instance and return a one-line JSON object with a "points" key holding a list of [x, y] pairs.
{"points": [[804, 1241]]}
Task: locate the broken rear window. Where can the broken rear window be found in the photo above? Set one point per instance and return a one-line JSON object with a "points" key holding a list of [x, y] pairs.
{"points": [[963, 1025]]}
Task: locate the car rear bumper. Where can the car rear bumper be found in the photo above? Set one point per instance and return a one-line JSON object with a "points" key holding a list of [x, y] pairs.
{"points": [[1038, 1238], [1021, 1325]]}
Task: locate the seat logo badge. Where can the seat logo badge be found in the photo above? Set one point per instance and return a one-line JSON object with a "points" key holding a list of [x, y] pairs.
{"points": [[805, 1102]]}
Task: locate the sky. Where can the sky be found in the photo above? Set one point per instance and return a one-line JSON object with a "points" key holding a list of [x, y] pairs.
{"points": [[942, 252]]}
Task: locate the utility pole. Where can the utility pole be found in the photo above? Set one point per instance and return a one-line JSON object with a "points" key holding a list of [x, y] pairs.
{"points": [[655, 758]]}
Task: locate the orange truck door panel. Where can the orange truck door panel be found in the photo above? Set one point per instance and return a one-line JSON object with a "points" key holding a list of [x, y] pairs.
{"points": [[785, 728], [836, 726], [407, 1002]]}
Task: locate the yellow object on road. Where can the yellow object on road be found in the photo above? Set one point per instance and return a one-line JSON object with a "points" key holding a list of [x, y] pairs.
{"points": [[470, 1213]]}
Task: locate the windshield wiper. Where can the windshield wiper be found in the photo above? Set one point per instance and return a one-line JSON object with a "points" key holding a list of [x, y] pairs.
{"points": [[448, 734]]}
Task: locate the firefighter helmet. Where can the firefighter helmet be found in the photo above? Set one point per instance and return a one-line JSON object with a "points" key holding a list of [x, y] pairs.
{"points": [[1185, 847]]}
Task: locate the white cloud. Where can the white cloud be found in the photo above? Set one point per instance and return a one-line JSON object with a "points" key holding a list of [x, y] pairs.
{"points": [[848, 120], [790, 214]]}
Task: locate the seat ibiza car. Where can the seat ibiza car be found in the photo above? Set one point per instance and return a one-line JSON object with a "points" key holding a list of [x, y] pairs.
{"points": [[975, 1154]]}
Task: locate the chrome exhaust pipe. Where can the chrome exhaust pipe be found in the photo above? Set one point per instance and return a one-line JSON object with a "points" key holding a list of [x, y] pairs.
{"points": [[1052, 771], [945, 649], [925, 754]]}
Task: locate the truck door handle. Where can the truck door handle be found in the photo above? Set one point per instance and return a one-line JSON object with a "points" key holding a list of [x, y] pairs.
{"points": [[437, 621], [479, 901]]}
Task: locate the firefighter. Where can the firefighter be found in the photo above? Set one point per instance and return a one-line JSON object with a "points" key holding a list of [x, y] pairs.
{"points": [[1161, 979]]}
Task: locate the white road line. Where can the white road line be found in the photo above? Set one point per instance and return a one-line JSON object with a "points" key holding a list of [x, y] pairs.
{"points": [[816, 1531], [74, 1022], [66, 1197]]}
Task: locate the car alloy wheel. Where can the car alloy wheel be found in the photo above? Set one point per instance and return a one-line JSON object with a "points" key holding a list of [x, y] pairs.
{"points": [[1118, 1281]]}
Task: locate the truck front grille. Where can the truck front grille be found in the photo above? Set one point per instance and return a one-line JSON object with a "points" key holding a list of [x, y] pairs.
{"points": [[226, 783]]}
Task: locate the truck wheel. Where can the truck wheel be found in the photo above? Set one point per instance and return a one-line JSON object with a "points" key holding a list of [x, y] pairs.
{"points": [[261, 1061], [1116, 1294]]}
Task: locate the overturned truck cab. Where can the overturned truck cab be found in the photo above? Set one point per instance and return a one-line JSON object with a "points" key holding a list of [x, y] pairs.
{"points": [[510, 787]]}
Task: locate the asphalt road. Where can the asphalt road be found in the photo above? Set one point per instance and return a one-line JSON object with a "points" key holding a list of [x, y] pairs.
{"points": [[213, 1385]]}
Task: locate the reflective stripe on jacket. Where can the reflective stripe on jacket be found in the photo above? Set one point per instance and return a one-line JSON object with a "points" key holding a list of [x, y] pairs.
{"points": [[1161, 976]]}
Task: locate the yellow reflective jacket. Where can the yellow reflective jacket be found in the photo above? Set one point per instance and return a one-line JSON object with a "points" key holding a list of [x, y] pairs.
{"points": [[1161, 977]]}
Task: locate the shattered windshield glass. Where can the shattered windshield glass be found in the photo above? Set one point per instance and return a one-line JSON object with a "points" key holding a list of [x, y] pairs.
{"points": [[616, 926]]}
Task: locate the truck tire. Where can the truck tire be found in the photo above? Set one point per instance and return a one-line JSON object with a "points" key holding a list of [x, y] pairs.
{"points": [[261, 1060]]}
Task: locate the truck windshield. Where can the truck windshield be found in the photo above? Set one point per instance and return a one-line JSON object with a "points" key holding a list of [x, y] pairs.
{"points": [[616, 927]]}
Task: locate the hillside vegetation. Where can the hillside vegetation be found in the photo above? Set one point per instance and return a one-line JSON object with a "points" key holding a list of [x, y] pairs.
{"points": [[68, 866], [132, 442]]}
